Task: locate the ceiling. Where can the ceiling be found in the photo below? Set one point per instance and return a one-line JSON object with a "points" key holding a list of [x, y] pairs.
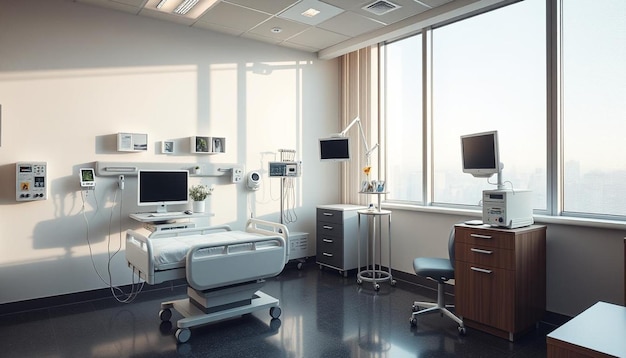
{"points": [[281, 22]]}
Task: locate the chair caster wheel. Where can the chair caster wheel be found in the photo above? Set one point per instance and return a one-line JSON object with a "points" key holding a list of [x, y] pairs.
{"points": [[462, 331], [413, 321], [376, 287]]}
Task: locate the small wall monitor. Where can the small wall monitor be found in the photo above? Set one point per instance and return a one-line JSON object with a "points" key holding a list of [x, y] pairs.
{"points": [[480, 154], [161, 188], [87, 178], [335, 149]]}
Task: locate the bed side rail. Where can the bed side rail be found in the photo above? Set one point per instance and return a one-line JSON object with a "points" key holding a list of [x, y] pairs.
{"points": [[190, 231], [267, 228], [139, 253], [214, 265]]}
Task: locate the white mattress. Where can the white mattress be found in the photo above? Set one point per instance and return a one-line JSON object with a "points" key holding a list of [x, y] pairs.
{"points": [[170, 252]]}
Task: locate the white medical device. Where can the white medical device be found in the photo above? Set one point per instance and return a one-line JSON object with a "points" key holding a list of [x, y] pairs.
{"points": [[31, 181], [254, 180], [87, 178], [507, 208], [285, 169]]}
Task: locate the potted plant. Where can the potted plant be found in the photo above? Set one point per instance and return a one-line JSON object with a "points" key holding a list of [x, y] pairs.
{"points": [[198, 193]]}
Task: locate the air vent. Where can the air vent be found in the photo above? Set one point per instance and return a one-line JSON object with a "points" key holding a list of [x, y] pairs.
{"points": [[381, 7]]}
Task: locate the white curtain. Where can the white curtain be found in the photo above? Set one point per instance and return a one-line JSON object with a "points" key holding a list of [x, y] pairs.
{"points": [[359, 81]]}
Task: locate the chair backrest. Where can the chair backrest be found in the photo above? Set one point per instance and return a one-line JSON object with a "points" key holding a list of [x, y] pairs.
{"points": [[451, 246]]}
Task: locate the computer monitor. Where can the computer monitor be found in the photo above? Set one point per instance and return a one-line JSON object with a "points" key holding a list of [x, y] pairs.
{"points": [[480, 154], [335, 149], [162, 187]]}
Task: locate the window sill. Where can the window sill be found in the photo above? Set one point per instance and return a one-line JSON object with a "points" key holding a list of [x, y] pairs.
{"points": [[539, 219]]}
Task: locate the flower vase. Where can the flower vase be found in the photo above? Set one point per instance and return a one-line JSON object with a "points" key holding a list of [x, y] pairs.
{"points": [[199, 206]]}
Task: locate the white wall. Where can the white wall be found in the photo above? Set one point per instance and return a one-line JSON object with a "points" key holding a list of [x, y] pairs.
{"points": [[72, 76]]}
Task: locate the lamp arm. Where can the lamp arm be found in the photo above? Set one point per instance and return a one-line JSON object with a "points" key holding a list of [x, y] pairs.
{"points": [[368, 151]]}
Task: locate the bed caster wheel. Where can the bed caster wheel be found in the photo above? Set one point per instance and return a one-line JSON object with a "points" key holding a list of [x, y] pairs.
{"points": [[275, 312], [462, 331], [413, 321], [376, 287], [393, 283], [183, 335], [165, 314]]}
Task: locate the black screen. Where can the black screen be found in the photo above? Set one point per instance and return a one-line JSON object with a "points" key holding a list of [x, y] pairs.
{"points": [[163, 186], [479, 152], [334, 149]]}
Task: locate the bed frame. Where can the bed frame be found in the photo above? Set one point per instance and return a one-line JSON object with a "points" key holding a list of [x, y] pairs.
{"points": [[224, 274]]}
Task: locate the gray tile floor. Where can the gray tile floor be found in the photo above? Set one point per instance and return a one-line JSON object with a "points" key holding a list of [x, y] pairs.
{"points": [[323, 315]]}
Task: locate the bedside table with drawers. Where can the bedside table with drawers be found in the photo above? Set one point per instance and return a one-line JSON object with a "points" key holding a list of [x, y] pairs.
{"points": [[500, 278]]}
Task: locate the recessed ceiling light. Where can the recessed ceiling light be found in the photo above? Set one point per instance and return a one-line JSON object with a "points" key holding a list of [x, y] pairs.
{"points": [[310, 12]]}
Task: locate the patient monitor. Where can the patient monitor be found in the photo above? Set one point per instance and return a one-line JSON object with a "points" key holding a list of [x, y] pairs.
{"points": [[87, 178]]}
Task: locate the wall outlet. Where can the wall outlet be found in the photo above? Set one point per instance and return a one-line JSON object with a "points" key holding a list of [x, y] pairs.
{"points": [[237, 175]]}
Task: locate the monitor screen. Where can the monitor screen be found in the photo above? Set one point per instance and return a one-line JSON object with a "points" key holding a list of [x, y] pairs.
{"points": [[162, 187], [335, 149], [480, 154]]}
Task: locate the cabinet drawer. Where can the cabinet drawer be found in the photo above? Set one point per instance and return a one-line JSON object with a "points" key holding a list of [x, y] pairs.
{"points": [[329, 216], [485, 294], [329, 228], [485, 237], [329, 251], [485, 255]]}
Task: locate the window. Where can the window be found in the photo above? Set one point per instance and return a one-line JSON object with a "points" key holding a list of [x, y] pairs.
{"points": [[594, 107], [403, 94], [489, 74]]}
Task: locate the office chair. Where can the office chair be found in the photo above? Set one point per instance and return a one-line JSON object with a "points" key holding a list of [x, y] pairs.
{"points": [[440, 270]]}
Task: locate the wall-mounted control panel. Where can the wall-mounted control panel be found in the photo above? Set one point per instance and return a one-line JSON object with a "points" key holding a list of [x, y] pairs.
{"points": [[31, 181], [285, 169]]}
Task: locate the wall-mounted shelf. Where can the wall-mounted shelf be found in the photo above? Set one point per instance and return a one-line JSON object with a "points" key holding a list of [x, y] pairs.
{"points": [[132, 142], [207, 145], [131, 168]]}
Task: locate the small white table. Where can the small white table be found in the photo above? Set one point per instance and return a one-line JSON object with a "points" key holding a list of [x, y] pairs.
{"points": [[599, 331]]}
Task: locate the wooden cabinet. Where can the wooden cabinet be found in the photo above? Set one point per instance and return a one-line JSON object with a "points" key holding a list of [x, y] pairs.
{"points": [[500, 278], [336, 236]]}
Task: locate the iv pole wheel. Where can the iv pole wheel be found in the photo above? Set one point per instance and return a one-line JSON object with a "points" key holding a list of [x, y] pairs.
{"points": [[183, 335], [165, 314]]}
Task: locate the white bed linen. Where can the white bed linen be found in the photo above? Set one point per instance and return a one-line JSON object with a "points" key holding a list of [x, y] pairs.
{"points": [[171, 252]]}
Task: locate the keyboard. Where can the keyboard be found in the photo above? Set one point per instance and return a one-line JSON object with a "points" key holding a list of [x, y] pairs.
{"points": [[169, 213]]}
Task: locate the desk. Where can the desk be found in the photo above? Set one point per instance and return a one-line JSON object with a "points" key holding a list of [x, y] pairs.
{"points": [[372, 273], [599, 331], [159, 223]]}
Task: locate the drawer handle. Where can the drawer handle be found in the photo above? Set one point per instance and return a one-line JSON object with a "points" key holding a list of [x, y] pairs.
{"points": [[328, 214], [480, 270], [327, 254], [328, 241], [479, 236], [481, 251], [327, 227]]}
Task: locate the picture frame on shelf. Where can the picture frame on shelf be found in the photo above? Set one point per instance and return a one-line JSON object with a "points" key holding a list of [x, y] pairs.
{"points": [[200, 144], [167, 147]]}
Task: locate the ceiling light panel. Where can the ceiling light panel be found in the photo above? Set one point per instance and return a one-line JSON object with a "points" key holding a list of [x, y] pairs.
{"points": [[298, 11], [191, 9]]}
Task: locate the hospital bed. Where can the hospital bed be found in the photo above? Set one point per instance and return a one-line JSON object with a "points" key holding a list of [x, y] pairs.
{"points": [[224, 269]]}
